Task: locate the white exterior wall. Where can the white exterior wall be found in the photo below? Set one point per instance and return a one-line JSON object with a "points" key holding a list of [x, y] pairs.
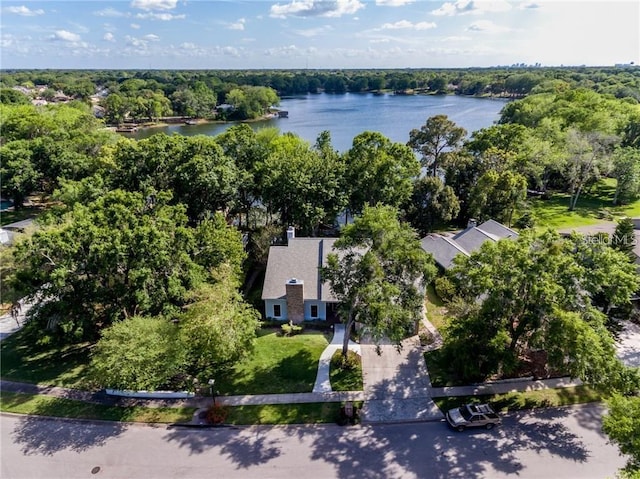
{"points": [[269, 303], [268, 308], [322, 310]]}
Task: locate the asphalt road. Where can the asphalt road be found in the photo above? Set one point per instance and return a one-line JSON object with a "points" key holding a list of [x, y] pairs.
{"points": [[558, 443]]}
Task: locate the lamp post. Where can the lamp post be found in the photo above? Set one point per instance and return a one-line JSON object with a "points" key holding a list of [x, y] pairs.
{"points": [[212, 382]]}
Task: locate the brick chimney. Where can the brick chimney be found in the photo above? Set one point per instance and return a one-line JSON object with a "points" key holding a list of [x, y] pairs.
{"points": [[295, 300]]}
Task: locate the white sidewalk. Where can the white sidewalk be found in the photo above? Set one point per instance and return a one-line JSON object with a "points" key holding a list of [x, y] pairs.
{"points": [[323, 383]]}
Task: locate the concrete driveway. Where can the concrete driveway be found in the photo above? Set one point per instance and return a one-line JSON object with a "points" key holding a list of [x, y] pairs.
{"points": [[396, 384], [628, 344]]}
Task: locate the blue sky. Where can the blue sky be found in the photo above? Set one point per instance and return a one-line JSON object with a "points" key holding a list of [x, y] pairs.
{"points": [[199, 34]]}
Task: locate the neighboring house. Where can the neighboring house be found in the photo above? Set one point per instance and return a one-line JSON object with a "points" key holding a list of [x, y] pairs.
{"points": [[293, 290], [8, 232], [445, 248]]}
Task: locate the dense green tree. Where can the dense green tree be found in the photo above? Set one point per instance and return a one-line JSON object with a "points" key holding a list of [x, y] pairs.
{"points": [[218, 327], [624, 238], [497, 195], [251, 101], [378, 275], [536, 293], [379, 171], [10, 96], [588, 154], [138, 354], [622, 425], [626, 171], [205, 179], [434, 140], [19, 175], [242, 144], [431, 204], [300, 185], [120, 256]]}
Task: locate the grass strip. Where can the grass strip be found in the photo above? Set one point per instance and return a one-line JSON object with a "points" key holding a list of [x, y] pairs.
{"points": [[349, 376], [308, 413], [515, 401], [38, 405]]}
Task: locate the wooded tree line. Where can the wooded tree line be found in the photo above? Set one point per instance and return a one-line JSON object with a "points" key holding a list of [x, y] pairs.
{"points": [[148, 95]]}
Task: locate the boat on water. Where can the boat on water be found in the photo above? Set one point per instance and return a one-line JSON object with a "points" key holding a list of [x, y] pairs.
{"points": [[191, 121], [126, 129]]}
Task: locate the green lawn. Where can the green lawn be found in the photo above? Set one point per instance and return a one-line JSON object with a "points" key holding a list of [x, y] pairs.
{"points": [[526, 400], [21, 360], [310, 413], [436, 310], [59, 407], [278, 364], [349, 378], [554, 212]]}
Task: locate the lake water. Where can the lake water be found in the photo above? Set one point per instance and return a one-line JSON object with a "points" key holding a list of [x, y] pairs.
{"points": [[347, 115]]}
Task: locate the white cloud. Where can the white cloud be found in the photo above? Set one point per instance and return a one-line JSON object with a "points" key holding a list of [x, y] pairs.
{"points": [[407, 25], [529, 6], [472, 7], [487, 26], [108, 37], [393, 3], [154, 4], [313, 32], [151, 37], [188, 46], [24, 11], [455, 38], [316, 8], [135, 26], [165, 17], [110, 12], [65, 36], [136, 42], [238, 25]]}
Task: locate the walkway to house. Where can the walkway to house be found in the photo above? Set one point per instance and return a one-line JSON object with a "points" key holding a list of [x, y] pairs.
{"points": [[323, 383]]}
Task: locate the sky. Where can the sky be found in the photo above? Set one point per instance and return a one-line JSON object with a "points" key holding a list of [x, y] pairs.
{"points": [[297, 34]]}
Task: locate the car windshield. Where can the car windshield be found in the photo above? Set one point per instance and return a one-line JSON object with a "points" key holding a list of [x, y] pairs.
{"points": [[465, 413]]}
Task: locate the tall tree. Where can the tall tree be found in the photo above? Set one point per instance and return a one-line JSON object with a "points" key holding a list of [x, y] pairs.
{"points": [[434, 139], [622, 425], [626, 171], [537, 293], [497, 195], [379, 171], [432, 203], [587, 154], [624, 238], [119, 256], [378, 274]]}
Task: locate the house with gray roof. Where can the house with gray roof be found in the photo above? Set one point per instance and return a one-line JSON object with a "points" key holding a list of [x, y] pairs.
{"points": [[293, 290], [445, 248]]}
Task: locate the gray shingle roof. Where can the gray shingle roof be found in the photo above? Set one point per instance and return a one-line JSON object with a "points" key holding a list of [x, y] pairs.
{"points": [[444, 249], [300, 259]]}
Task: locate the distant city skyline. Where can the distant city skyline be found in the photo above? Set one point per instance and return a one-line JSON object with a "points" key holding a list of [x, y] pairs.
{"points": [[298, 34]]}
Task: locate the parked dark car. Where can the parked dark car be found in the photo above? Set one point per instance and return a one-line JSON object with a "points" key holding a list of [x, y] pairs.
{"points": [[472, 415]]}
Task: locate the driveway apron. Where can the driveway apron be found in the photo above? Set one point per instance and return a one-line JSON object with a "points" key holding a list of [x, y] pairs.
{"points": [[396, 384]]}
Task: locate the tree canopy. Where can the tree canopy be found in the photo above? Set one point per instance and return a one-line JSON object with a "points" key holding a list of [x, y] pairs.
{"points": [[378, 274]]}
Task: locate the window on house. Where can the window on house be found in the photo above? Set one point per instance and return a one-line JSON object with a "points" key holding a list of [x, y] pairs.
{"points": [[277, 311], [314, 310]]}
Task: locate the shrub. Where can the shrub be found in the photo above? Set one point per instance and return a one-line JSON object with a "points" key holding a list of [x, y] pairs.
{"points": [[217, 414], [444, 288], [291, 329]]}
